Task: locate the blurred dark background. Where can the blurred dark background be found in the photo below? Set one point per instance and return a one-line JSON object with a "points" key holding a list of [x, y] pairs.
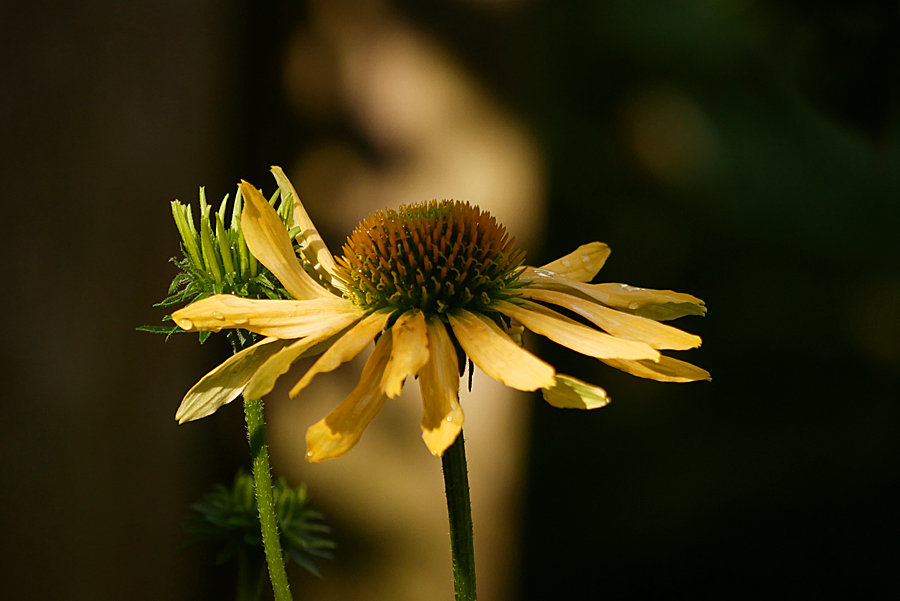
{"points": [[743, 151]]}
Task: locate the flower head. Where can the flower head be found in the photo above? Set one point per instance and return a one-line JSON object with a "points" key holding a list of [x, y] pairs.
{"points": [[432, 284]]}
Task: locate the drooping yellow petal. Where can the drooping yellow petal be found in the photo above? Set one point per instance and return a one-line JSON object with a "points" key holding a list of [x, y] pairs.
{"points": [[572, 393], [345, 348], [278, 364], [571, 334], [439, 381], [278, 318], [226, 382], [269, 242], [408, 353], [659, 305], [342, 429], [311, 243], [581, 265], [497, 355], [618, 323], [666, 370]]}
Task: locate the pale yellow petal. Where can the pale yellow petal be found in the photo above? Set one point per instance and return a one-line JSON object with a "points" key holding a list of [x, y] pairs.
{"points": [[497, 355], [311, 243], [342, 429], [666, 370], [268, 240], [278, 364], [278, 318], [581, 265], [409, 352], [571, 334], [618, 323], [226, 382], [572, 393], [345, 348], [439, 381], [659, 305]]}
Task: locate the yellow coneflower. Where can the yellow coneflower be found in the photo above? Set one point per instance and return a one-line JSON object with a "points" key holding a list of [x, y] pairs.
{"points": [[432, 283]]}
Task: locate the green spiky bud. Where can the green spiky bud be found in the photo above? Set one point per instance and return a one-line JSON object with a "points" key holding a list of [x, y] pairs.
{"points": [[216, 258]]}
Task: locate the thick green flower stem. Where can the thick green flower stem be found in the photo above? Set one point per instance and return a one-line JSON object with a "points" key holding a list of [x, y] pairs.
{"points": [[262, 479], [456, 485]]}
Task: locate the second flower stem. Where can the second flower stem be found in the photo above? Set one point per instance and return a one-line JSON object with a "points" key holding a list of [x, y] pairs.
{"points": [[262, 479], [459, 508]]}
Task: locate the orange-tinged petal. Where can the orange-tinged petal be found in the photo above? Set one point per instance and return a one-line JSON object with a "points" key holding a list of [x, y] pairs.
{"points": [[311, 243], [278, 364], [278, 318], [666, 369], [571, 334], [439, 381], [581, 265], [268, 240], [226, 382], [618, 323], [409, 351], [497, 355], [345, 348], [572, 393], [342, 429]]}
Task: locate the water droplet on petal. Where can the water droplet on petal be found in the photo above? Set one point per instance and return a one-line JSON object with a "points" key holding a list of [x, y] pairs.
{"points": [[586, 259], [449, 419], [218, 315], [566, 262], [185, 323], [633, 305]]}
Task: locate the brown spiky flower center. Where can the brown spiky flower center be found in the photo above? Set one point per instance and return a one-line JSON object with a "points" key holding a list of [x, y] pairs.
{"points": [[435, 256]]}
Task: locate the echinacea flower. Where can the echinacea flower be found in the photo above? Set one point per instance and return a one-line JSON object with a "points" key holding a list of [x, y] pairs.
{"points": [[431, 284]]}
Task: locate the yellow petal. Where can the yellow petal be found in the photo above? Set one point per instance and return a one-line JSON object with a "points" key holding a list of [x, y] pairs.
{"points": [[311, 243], [278, 364], [439, 381], [497, 355], [581, 265], [572, 393], [345, 348], [659, 305], [342, 429], [666, 370], [618, 323], [408, 353], [278, 318], [571, 334], [268, 240], [226, 382]]}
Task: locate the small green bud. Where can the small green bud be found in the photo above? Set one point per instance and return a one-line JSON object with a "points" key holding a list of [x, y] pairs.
{"points": [[216, 259]]}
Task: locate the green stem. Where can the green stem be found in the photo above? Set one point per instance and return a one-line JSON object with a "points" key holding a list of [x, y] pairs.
{"points": [[262, 478], [456, 485]]}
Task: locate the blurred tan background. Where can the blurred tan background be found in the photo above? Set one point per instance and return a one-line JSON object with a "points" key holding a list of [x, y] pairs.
{"points": [[744, 151]]}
